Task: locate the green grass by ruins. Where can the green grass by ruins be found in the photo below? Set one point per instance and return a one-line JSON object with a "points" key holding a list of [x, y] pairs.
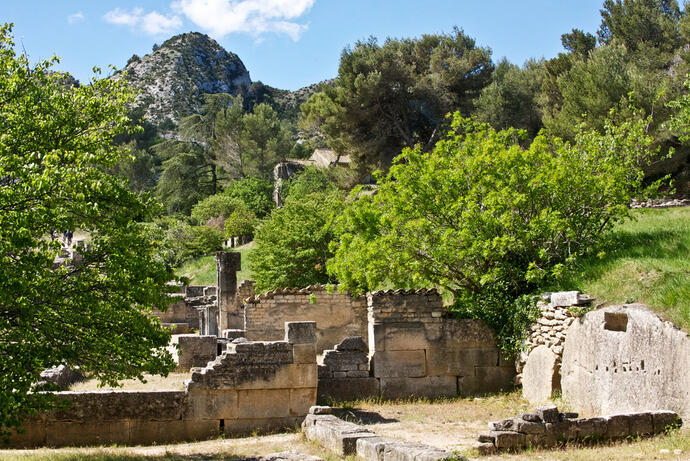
{"points": [[647, 262]]}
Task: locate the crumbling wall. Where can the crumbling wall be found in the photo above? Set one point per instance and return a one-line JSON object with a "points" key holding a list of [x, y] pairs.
{"points": [[252, 385], [624, 359], [182, 314], [415, 350], [337, 315]]}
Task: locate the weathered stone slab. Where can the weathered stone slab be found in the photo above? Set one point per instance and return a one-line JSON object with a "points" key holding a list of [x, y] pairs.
{"points": [[458, 362], [398, 364], [347, 389], [352, 344], [626, 359], [428, 386], [540, 376], [193, 350]]}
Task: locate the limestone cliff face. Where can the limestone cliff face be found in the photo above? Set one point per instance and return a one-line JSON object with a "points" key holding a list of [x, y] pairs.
{"points": [[172, 80]]}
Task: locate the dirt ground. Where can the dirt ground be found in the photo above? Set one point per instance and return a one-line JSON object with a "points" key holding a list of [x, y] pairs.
{"points": [[452, 424]]}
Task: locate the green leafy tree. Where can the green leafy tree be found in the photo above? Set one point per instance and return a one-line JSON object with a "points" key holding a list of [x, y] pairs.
{"points": [[396, 95], [55, 146], [579, 42], [292, 244], [512, 98], [268, 141], [481, 216], [254, 193], [215, 206], [240, 222]]}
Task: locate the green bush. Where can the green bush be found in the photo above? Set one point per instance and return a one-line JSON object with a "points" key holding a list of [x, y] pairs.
{"points": [[254, 193], [240, 222], [183, 241], [214, 207]]}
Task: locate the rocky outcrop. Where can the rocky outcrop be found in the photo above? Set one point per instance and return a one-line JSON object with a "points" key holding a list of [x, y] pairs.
{"points": [[172, 80]]}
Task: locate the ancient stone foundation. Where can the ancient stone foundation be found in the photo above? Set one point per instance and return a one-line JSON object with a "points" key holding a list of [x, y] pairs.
{"points": [[546, 427], [251, 385], [347, 439]]}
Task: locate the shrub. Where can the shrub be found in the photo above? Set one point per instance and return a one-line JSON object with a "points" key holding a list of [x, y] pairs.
{"points": [[213, 207]]}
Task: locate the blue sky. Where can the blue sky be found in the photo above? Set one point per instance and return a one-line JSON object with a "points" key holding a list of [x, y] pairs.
{"points": [[284, 43]]}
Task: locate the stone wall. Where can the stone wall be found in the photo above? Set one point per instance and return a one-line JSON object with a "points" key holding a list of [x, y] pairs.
{"points": [[547, 427], [623, 359], [182, 314], [539, 363], [337, 315], [252, 385], [415, 350]]}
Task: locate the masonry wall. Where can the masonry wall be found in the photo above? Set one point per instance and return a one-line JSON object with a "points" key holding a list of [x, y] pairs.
{"points": [[337, 315], [415, 350], [252, 385], [182, 314]]}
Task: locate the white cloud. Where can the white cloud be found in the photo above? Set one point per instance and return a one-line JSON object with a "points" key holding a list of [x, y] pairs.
{"points": [[152, 23], [256, 17], [155, 23], [76, 17]]}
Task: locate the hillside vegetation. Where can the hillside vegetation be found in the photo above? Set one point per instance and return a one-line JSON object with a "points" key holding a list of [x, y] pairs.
{"points": [[647, 261]]}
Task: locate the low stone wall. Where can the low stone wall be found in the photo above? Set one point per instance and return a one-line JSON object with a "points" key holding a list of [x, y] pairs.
{"points": [[624, 359], [546, 427], [415, 350], [348, 439], [344, 372], [252, 385], [337, 315]]}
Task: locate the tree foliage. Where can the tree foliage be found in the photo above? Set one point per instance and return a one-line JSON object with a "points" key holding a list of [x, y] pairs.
{"points": [[55, 145], [396, 95], [480, 212], [292, 244]]}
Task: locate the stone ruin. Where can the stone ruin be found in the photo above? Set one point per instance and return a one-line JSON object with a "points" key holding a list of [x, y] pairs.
{"points": [[547, 427], [270, 385]]}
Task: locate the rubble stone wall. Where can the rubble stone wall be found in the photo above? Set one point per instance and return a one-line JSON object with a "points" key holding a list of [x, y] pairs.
{"points": [[337, 315], [251, 385]]}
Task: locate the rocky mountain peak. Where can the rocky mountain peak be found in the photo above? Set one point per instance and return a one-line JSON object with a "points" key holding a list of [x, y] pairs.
{"points": [[172, 80]]}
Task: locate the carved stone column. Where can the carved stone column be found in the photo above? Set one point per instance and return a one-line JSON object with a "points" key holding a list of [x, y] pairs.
{"points": [[228, 263]]}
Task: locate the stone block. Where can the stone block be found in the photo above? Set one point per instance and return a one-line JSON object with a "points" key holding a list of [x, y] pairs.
{"points": [[358, 374], [300, 332], [405, 336], [211, 404], [405, 451], [301, 401], [194, 350], [320, 410], [344, 361], [486, 448], [372, 448], [540, 375], [641, 424], [617, 426], [458, 362], [487, 380], [665, 420], [236, 427], [589, 428], [70, 433], [559, 430], [233, 333], [267, 403], [150, 432], [352, 344], [508, 440], [334, 434], [428, 387], [548, 413], [347, 389], [304, 353], [565, 299], [398, 364]]}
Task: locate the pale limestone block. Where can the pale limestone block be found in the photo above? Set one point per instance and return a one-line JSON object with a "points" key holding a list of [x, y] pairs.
{"points": [[304, 353], [411, 363], [540, 376], [211, 404], [458, 362], [405, 336], [254, 403], [301, 400]]}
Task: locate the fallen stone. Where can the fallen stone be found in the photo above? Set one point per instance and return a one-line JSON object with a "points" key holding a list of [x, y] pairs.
{"points": [[540, 376], [352, 344], [508, 440], [320, 410], [548, 413], [486, 449], [532, 417]]}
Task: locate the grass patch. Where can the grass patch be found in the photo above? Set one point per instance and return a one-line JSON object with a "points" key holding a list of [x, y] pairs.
{"points": [[648, 262], [202, 270]]}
